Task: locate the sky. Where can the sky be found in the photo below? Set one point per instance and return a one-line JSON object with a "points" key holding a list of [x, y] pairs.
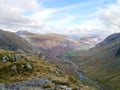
{"points": [[69, 17]]}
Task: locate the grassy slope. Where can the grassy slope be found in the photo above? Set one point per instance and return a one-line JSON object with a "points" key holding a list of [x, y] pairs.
{"points": [[41, 68], [101, 64]]}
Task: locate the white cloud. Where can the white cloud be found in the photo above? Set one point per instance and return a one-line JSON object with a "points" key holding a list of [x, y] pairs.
{"points": [[110, 16], [12, 14], [12, 17]]}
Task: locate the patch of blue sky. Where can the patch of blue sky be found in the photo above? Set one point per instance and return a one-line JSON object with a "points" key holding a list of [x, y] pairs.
{"points": [[27, 13], [59, 3], [62, 3]]}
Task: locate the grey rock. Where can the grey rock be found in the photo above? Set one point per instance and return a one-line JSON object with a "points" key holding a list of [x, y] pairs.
{"points": [[14, 67], [4, 61], [69, 89], [35, 84], [5, 57], [12, 56], [17, 56], [2, 87], [22, 66], [63, 86], [43, 57], [20, 50], [28, 66], [29, 59], [39, 54], [56, 72]]}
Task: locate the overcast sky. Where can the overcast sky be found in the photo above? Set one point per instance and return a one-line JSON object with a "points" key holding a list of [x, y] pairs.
{"points": [[77, 17]]}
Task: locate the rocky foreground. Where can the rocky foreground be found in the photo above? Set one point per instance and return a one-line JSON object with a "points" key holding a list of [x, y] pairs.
{"points": [[36, 84], [20, 71]]}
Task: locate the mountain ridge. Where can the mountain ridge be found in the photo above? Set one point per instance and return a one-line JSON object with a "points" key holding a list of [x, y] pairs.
{"points": [[102, 62], [10, 41]]}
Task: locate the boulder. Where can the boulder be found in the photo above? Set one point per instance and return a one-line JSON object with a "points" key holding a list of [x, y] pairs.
{"points": [[14, 67], [29, 59], [5, 57], [4, 61], [28, 66], [43, 57], [18, 57], [22, 66], [20, 50], [39, 54], [62, 87]]}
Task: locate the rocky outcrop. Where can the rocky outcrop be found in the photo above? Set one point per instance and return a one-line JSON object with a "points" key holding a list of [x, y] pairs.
{"points": [[11, 57], [25, 72], [36, 84], [40, 55], [14, 57]]}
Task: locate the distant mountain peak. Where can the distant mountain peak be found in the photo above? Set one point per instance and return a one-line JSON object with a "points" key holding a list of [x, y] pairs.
{"points": [[24, 32]]}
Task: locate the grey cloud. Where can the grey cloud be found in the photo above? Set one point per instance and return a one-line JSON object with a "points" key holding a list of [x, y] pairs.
{"points": [[12, 14]]}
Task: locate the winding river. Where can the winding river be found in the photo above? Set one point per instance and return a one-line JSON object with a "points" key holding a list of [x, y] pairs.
{"points": [[82, 77]]}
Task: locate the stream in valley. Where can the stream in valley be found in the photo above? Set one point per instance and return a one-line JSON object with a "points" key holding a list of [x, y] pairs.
{"points": [[83, 78]]}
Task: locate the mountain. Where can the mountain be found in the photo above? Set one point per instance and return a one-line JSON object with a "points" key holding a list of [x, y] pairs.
{"points": [[56, 44], [53, 44], [22, 71], [23, 32], [19, 70], [89, 41], [102, 63], [11, 41]]}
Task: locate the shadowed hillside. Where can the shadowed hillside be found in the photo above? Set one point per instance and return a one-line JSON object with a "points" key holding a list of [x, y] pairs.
{"points": [[10, 41]]}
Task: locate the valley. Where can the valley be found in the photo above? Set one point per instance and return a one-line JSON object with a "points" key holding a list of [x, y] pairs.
{"points": [[83, 78], [69, 59], [102, 62], [59, 44], [33, 68]]}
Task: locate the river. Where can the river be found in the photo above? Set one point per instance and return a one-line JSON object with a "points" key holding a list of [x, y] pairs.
{"points": [[83, 78]]}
